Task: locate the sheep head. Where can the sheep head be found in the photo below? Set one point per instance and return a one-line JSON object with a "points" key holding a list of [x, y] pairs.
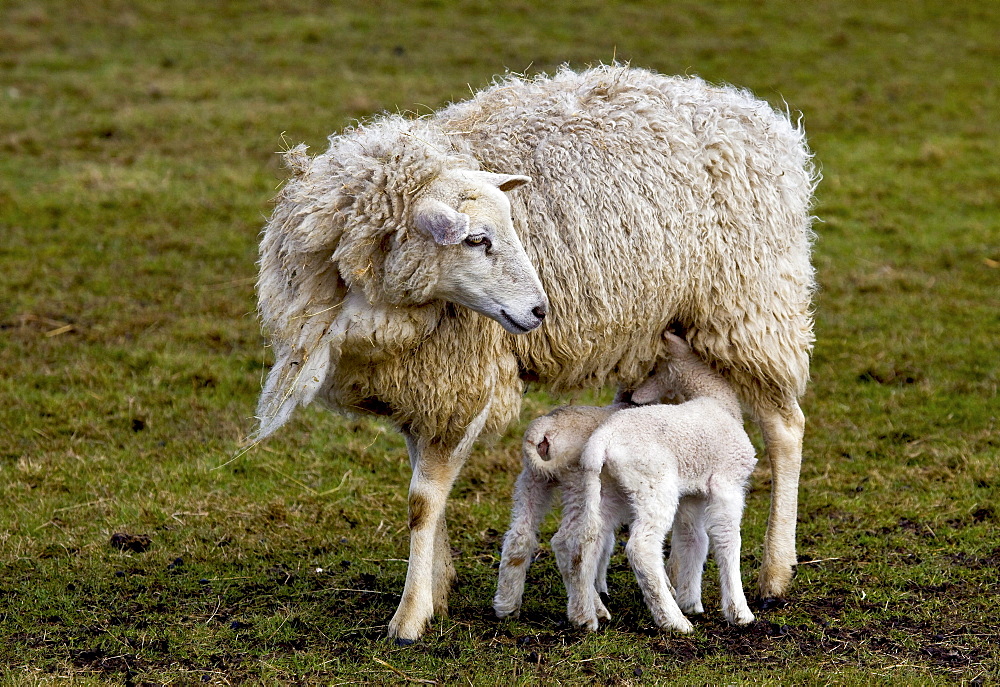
{"points": [[409, 224], [463, 218], [682, 376], [665, 383]]}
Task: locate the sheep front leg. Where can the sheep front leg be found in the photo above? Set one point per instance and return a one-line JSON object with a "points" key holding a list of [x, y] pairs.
{"points": [[532, 500], [444, 568], [783, 431], [430, 572], [645, 554]]}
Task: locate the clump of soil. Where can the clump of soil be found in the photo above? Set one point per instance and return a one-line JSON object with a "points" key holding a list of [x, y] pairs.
{"points": [[136, 543]]}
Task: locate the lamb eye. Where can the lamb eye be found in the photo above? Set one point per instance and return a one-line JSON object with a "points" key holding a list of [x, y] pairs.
{"points": [[478, 241]]}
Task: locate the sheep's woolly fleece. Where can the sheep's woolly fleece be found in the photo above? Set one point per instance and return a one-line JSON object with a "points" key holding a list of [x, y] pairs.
{"points": [[654, 200]]}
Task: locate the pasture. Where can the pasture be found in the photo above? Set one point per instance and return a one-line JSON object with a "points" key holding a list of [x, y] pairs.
{"points": [[137, 164]]}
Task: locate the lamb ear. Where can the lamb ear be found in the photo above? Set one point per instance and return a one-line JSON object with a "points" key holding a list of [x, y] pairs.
{"points": [[675, 342], [648, 392], [504, 182], [444, 224]]}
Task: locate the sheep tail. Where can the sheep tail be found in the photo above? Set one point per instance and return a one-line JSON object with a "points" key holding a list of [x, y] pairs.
{"points": [[594, 452], [545, 467]]}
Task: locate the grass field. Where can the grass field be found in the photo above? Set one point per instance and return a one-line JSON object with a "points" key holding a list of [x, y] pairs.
{"points": [[137, 165]]}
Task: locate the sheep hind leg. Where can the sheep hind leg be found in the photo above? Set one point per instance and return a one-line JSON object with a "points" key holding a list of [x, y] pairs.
{"points": [[723, 513], [783, 430], [688, 551], [607, 547], [532, 501], [648, 532], [579, 547]]}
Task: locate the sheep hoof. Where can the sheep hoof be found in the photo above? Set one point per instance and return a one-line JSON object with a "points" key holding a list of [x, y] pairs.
{"points": [[683, 627], [441, 607], [404, 631], [600, 610], [587, 623], [692, 608], [503, 614], [741, 616]]}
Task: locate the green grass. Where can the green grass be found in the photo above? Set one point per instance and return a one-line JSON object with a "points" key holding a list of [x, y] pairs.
{"points": [[137, 164]]}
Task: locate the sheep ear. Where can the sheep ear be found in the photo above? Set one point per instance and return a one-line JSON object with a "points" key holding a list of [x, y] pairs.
{"points": [[648, 392], [504, 182], [675, 341], [678, 347], [444, 224]]}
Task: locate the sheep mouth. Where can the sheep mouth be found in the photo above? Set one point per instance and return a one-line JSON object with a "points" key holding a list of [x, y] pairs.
{"points": [[515, 326]]}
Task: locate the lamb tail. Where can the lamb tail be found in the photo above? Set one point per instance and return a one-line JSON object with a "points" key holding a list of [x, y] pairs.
{"points": [[546, 468]]}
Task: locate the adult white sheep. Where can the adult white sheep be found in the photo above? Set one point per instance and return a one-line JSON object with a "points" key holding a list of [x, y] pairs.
{"points": [[653, 200]]}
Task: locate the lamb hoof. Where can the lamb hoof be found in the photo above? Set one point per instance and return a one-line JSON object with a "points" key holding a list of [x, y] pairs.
{"points": [[683, 625], [684, 628], [400, 641], [691, 608], [600, 610], [740, 617], [587, 623], [504, 613]]}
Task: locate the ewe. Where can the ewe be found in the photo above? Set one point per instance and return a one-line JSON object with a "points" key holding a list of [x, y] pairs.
{"points": [[654, 467], [398, 278]]}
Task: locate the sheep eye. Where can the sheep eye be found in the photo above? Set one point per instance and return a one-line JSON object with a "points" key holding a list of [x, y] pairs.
{"points": [[478, 241]]}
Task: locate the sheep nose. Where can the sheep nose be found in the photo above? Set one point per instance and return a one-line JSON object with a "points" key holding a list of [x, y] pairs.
{"points": [[539, 311]]}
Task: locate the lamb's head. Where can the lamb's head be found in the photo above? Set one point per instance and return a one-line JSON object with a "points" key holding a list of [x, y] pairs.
{"points": [[464, 217], [667, 383], [682, 376]]}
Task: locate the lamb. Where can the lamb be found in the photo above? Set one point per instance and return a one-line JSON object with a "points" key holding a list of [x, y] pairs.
{"points": [[550, 453], [682, 465], [405, 273]]}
